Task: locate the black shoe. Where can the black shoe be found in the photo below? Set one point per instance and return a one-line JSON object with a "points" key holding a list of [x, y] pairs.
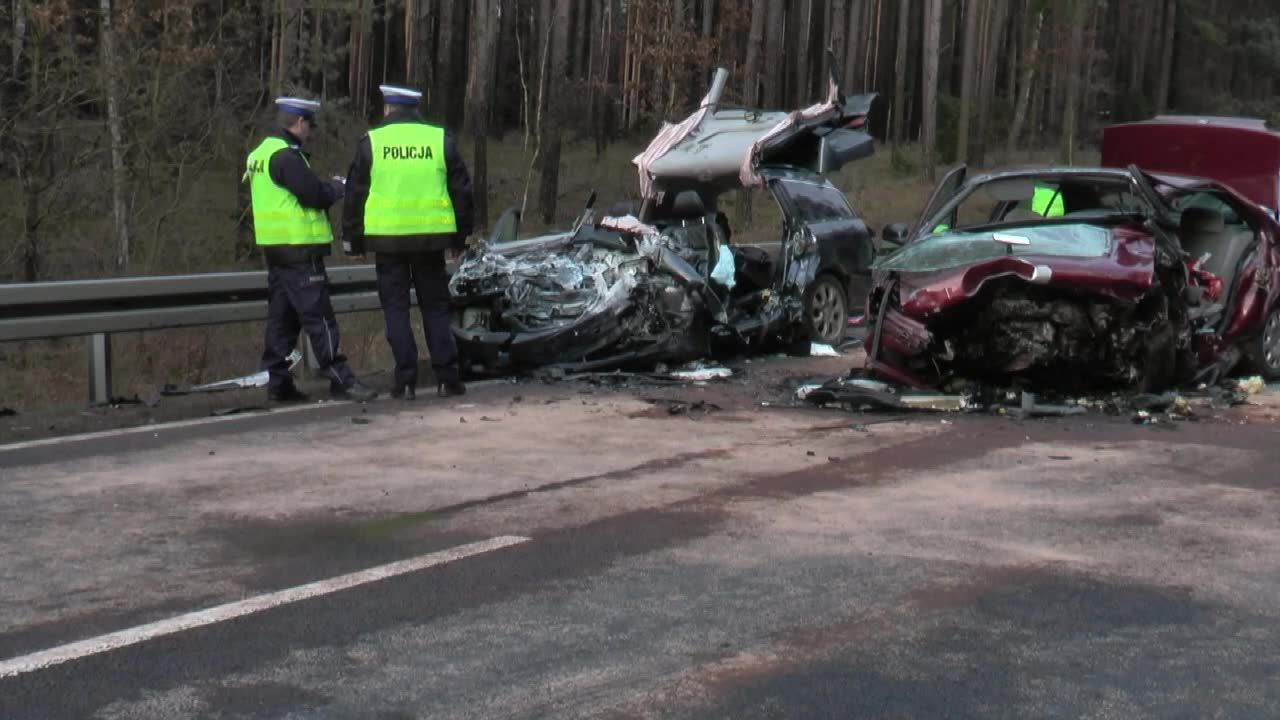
{"points": [[287, 394], [355, 391], [404, 392], [451, 389]]}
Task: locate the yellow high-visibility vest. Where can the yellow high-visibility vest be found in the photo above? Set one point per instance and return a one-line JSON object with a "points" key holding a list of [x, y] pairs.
{"points": [[1047, 202], [278, 217], [408, 182]]}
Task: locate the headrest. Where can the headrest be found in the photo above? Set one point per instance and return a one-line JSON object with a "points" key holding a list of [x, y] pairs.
{"points": [[687, 206], [1202, 221]]}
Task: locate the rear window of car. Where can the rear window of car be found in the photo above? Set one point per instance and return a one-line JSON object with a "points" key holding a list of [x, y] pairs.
{"points": [[818, 203], [947, 250]]}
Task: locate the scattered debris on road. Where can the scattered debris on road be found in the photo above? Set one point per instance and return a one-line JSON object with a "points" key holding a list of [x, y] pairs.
{"points": [[694, 409], [859, 393]]}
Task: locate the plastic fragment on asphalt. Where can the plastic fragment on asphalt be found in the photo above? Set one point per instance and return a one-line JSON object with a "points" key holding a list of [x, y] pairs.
{"points": [[820, 350]]}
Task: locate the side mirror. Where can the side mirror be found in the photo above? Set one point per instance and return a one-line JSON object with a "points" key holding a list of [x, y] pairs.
{"points": [[894, 235]]}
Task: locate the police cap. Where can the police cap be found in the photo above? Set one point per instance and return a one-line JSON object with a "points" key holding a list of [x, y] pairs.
{"points": [[298, 106], [394, 95]]}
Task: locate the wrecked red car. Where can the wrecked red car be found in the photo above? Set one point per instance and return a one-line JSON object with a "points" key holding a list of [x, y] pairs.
{"points": [[1079, 279]]}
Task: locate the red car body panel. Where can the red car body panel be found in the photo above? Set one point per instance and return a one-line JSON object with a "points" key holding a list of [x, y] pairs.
{"points": [[1239, 153], [1124, 274]]}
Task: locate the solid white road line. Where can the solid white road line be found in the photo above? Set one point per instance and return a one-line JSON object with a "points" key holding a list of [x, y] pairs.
{"points": [[159, 427], [230, 611]]}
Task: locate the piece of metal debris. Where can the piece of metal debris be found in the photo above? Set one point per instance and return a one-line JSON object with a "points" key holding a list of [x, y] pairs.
{"points": [[1032, 408], [934, 401], [702, 373], [256, 380]]}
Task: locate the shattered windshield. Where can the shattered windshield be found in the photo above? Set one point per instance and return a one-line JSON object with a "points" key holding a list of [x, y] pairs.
{"points": [[954, 249]]}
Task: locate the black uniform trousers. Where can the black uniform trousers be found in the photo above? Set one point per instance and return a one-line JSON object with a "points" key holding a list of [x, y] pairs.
{"points": [[298, 299], [424, 272]]}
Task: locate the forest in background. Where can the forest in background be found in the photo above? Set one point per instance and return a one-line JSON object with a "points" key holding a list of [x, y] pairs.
{"points": [[124, 123]]}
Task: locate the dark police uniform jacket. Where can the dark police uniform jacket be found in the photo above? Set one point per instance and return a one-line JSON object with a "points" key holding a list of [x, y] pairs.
{"points": [[458, 183]]}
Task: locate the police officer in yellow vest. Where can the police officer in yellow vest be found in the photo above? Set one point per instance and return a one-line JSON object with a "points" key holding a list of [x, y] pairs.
{"points": [[291, 226], [408, 201]]}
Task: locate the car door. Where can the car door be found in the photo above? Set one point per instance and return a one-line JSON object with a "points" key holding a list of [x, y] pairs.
{"points": [[942, 193], [814, 207]]}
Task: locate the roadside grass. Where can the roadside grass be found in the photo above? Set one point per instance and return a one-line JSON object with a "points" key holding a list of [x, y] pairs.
{"points": [[199, 231]]}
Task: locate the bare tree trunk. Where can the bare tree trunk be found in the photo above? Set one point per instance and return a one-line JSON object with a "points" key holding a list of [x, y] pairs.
{"points": [[1074, 72], [929, 123], [968, 77], [30, 227], [991, 72], [1029, 63], [443, 97], [410, 41], [774, 68], [755, 38], [900, 71], [804, 48], [119, 175], [486, 20], [875, 52], [708, 17], [853, 46], [587, 12], [1166, 62], [838, 27], [277, 33], [554, 112], [19, 35]]}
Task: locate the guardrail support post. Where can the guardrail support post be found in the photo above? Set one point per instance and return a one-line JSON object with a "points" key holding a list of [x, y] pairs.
{"points": [[98, 346]]}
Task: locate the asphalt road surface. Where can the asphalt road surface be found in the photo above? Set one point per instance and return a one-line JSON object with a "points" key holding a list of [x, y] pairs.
{"points": [[583, 551]]}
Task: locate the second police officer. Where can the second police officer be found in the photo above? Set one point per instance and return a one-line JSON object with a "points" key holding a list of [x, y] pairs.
{"points": [[408, 200], [292, 228]]}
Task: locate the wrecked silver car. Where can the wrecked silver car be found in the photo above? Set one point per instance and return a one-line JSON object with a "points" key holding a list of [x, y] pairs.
{"points": [[668, 283]]}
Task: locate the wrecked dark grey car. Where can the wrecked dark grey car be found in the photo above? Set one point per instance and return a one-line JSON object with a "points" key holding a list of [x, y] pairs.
{"points": [[668, 284]]}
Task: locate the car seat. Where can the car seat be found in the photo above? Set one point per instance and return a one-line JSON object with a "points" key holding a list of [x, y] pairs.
{"points": [[1202, 231]]}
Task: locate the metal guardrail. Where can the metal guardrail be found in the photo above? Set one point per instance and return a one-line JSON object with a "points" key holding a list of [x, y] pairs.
{"points": [[97, 308]]}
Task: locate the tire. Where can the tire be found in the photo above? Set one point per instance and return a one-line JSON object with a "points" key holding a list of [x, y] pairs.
{"points": [[826, 309], [1264, 350]]}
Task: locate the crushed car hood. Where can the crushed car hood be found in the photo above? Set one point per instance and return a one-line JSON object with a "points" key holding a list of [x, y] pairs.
{"points": [[948, 269]]}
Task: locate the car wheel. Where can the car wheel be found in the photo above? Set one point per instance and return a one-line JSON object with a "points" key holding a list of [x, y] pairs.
{"points": [[1266, 349], [827, 309]]}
